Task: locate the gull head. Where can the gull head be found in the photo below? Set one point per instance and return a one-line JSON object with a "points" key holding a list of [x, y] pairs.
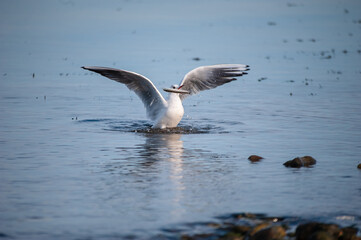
{"points": [[176, 89]]}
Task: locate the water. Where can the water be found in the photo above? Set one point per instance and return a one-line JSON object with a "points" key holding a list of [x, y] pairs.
{"points": [[78, 160]]}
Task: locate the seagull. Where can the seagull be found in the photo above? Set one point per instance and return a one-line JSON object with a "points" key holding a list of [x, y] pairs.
{"points": [[167, 114]]}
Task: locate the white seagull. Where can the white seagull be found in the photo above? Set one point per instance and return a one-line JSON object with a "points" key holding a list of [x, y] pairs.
{"points": [[167, 114]]}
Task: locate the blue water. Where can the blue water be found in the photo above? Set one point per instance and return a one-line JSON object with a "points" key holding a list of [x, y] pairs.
{"points": [[77, 161]]}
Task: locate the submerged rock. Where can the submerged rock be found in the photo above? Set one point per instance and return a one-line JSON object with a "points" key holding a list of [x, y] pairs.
{"points": [[255, 158], [298, 162]]}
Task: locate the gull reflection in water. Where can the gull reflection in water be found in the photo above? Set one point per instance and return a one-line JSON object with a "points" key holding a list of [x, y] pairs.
{"points": [[150, 176], [163, 154]]}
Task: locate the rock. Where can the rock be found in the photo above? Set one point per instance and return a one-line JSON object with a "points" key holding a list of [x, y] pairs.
{"points": [[348, 233], [308, 230], [232, 236], [298, 162], [246, 215], [241, 229], [359, 166], [270, 233], [321, 235], [254, 158], [259, 227]]}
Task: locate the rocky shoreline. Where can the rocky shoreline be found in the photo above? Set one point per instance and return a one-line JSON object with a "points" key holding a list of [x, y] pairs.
{"points": [[249, 226]]}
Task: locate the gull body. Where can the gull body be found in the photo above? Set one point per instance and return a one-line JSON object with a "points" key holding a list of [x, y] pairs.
{"points": [[167, 114], [172, 114]]}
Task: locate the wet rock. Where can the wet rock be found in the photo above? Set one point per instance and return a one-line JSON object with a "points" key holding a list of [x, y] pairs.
{"points": [[259, 227], [255, 158], [242, 229], [232, 236], [359, 166], [321, 235], [314, 230], [270, 233], [348, 233], [298, 162]]}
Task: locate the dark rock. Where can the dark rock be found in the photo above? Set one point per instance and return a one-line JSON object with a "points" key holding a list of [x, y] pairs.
{"points": [[298, 162], [254, 158], [359, 166], [348, 233], [322, 235], [259, 227], [243, 229], [308, 231], [232, 236], [270, 233]]}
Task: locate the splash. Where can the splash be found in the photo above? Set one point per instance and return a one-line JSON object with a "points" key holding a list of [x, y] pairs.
{"points": [[143, 126]]}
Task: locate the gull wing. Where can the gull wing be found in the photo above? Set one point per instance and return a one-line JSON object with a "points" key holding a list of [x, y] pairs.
{"points": [[208, 77], [142, 86]]}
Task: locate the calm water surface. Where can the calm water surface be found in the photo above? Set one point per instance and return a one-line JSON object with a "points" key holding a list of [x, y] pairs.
{"points": [[77, 161]]}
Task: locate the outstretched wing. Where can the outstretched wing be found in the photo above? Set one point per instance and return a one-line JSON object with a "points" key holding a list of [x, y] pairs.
{"points": [[142, 86], [208, 77]]}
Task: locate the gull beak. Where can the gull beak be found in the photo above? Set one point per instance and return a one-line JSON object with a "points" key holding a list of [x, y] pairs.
{"points": [[175, 90]]}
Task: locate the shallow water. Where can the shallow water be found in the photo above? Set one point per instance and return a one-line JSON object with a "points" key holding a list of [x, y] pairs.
{"points": [[78, 157]]}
